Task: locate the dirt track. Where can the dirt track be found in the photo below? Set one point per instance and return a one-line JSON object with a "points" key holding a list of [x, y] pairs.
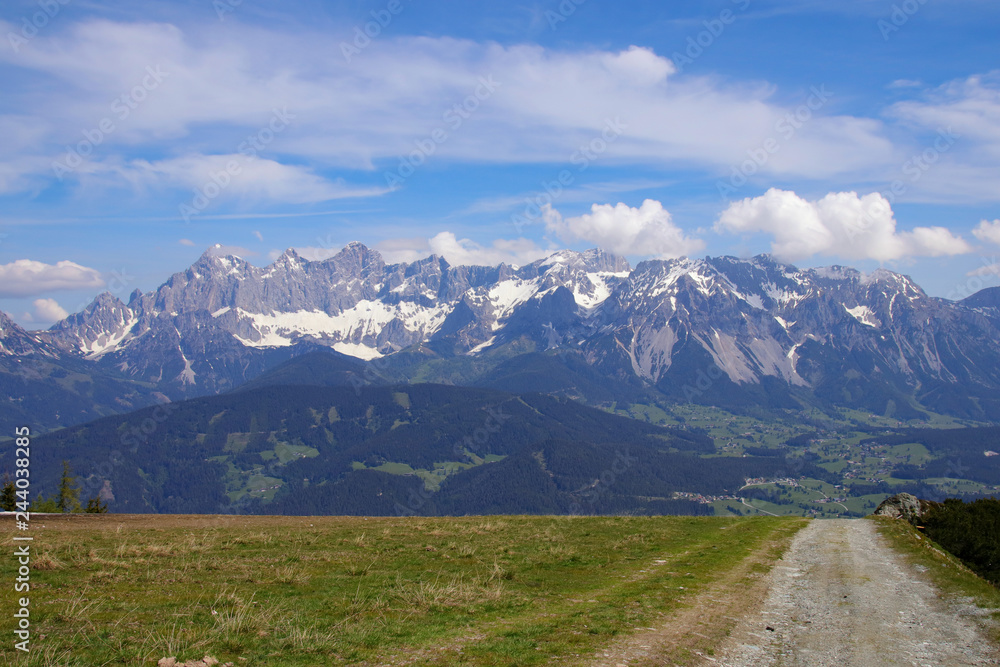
{"points": [[842, 597]]}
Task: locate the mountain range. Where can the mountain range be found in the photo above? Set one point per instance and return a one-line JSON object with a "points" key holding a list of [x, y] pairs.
{"points": [[738, 333]]}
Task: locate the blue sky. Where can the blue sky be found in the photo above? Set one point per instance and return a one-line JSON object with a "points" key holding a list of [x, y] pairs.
{"points": [[137, 134]]}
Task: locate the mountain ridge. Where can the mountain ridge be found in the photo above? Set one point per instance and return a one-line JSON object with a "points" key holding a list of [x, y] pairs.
{"points": [[719, 330]]}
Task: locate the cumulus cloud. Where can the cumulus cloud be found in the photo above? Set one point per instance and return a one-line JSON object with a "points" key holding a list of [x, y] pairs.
{"points": [[462, 252], [48, 310], [840, 224], [988, 231], [648, 230], [26, 277]]}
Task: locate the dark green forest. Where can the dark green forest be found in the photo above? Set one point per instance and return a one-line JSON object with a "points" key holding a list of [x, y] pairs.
{"points": [[970, 531], [389, 450]]}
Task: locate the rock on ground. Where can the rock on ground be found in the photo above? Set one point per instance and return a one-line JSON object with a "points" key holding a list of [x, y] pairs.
{"points": [[207, 661], [904, 506]]}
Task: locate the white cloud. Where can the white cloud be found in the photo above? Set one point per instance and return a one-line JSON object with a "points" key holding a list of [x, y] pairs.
{"points": [[956, 127], [26, 277], [840, 224], [988, 231], [458, 252], [249, 180], [258, 235], [545, 102], [991, 269], [48, 310], [970, 106], [648, 230], [187, 242], [462, 252]]}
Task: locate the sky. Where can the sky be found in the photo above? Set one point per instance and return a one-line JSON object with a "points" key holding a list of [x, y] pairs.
{"points": [[135, 135]]}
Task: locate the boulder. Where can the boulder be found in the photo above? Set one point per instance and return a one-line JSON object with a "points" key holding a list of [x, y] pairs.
{"points": [[904, 506]]}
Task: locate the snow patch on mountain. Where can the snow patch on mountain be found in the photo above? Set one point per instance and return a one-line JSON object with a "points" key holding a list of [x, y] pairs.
{"points": [[364, 321], [601, 284], [106, 342], [864, 315], [508, 294], [187, 375], [359, 350], [785, 324]]}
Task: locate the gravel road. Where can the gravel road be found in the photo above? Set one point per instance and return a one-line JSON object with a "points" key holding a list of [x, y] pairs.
{"points": [[841, 596]]}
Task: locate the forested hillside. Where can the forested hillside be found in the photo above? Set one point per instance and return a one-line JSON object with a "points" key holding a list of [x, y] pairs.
{"points": [[415, 449]]}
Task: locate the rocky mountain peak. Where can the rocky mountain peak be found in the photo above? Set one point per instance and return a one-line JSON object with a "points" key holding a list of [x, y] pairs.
{"points": [[593, 260], [892, 280], [752, 318], [97, 328], [7, 325], [15, 341], [105, 307]]}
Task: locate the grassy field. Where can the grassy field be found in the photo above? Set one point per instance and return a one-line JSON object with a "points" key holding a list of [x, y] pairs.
{"points": [[952, 578], [129, 590]]}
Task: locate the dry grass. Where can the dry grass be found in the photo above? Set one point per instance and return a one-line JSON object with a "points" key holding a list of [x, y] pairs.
{"points": [[129, 590]]}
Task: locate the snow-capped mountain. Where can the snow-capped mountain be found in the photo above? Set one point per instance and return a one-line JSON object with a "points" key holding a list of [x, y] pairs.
{"points": [[222, 320], [700, 329], [16, 342], [831, 329]]}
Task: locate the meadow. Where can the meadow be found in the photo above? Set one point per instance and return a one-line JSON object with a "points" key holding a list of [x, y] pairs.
{"points": [[525, 590]]}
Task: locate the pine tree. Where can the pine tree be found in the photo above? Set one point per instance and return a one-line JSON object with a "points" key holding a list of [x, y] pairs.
{"points": [[43, 504], [8, 496], [95, 506], [69, 494]]}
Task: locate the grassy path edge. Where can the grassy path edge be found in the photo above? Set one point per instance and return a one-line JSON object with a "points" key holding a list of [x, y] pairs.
{"points": [[958, 585], [694, 633]]}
